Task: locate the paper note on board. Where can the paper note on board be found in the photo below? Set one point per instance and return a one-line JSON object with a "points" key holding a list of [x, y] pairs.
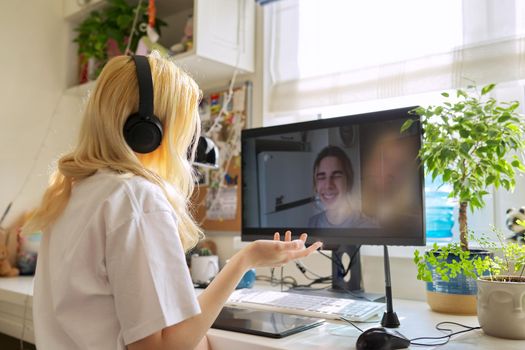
{"points": [[223, 205]]}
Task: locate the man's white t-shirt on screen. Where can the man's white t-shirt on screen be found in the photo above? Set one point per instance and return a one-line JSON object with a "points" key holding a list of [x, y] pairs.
{"points": [[112, 269]]}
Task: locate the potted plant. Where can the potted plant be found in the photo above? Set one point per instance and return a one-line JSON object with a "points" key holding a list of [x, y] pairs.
{"points": [[467, 141], [104, 34], [91, 40], [501, 293], [204, 266]]}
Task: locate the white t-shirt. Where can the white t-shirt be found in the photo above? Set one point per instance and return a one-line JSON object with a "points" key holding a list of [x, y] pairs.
{"points": [[112, 269]]}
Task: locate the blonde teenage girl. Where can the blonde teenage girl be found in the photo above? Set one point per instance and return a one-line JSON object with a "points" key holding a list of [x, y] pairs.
{"points": [[111, 270]]}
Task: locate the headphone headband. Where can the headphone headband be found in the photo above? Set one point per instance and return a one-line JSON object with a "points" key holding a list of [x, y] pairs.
{"points": [[143, 130], [145, 82]]}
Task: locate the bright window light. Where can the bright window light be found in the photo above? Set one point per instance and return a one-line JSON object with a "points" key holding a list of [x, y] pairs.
{"points": [[342, 35]]}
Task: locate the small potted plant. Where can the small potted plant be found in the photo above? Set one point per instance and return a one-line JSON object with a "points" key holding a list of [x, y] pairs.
{"points": [[106, 33], [204, 266], [501, 293], [468, 141]]}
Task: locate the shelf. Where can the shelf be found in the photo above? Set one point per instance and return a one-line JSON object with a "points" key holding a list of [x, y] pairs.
{"points": [[74, 11], [218, 48], [204, 71]]}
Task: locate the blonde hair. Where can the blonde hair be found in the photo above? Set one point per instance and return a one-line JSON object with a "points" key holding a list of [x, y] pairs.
{"points": [[102, 145]]}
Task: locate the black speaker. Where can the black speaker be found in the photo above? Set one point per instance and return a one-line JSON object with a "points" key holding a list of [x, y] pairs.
{"points": [[143, 130]]}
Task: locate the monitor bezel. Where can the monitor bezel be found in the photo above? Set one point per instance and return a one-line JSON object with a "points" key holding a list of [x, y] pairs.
{"points": [[333, 238]]}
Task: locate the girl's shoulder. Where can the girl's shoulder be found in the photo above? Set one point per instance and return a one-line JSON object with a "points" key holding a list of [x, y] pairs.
{"points": [[130, 190]]}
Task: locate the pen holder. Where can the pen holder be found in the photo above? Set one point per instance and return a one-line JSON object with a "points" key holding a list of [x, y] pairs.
{"points": [[247, 280]]}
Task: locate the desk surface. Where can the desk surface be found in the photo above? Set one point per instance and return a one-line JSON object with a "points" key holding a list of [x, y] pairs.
{"points": [[416, 319]]}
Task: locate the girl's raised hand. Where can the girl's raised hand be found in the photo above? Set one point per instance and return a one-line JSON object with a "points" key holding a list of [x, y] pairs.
{"points": [[268, 253]]}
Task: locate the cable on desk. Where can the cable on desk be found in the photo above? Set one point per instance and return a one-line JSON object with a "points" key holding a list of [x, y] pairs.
{"points": [[352, 323], [318, 278], [282, 273], [340, 262], [345, 270], [272, 274], [447, 337], [438, 327], [304, 270], [291, 283], [288, 281], [322, 280]]}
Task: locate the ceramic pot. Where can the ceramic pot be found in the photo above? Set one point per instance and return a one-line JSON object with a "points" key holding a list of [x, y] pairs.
{"points": [[456, 296], [501, 307], [204, 268]]}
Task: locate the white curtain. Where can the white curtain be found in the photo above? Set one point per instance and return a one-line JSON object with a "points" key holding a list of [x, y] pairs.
{"points": [[331, 52]]}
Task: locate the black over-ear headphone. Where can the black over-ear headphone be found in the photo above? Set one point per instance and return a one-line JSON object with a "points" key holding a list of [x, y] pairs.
{"points": [[143, 130]]}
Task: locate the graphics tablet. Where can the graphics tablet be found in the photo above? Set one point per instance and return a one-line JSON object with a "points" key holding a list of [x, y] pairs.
{"points": [[264, 323]]}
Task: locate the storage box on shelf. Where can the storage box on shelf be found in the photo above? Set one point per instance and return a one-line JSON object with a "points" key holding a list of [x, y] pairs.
{"points": [[223, 36]]}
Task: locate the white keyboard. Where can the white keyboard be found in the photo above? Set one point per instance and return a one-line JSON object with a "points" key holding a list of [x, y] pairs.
{"points": [[306, 305]]}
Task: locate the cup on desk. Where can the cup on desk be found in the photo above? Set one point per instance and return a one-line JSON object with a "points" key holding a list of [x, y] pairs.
{"points": [[204, 268]]}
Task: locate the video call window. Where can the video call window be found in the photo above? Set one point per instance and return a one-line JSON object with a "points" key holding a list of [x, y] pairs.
{"points": [[362, 176]]}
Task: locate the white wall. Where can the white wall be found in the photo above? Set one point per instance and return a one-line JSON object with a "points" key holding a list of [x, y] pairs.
{"points": [[38, 120]]}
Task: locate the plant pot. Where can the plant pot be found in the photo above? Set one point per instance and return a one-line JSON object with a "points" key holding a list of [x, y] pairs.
{"points": [[456, 296], [88, 69], [501, 307], [204, 268]]}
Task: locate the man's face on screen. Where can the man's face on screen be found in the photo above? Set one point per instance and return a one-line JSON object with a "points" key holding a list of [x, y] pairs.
{"points": [[330, 182]]}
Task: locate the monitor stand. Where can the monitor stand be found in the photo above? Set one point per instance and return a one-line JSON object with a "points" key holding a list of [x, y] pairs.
{"points": [[351, 289]]}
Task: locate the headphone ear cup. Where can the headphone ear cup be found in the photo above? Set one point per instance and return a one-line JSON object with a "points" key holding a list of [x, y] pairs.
{"points": [[143, 134]]}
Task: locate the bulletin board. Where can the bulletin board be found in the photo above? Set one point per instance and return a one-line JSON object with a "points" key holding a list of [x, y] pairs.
{"points": [[217, 198]]}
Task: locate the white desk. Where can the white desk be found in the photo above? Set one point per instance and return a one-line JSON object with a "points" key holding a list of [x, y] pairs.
{"points": [[416, 320], [15, 301]]}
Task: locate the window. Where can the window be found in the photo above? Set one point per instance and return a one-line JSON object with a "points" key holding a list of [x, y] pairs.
{"points": [[337, 57], [334, 52]]}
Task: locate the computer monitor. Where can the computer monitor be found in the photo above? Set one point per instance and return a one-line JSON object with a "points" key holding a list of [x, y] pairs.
{"points": [[346, 181]]}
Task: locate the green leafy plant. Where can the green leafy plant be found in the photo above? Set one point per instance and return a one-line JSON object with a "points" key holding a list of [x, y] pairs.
{"points": [[115, 21], [508, 263], [204, 252], [468, 141], [505, 263], [462, 263], [92, 37]]}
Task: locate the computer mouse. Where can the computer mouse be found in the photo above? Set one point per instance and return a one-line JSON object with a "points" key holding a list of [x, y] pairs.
{"points": [[380, 338]]}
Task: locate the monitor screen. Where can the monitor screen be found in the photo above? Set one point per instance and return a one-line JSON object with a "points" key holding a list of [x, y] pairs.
{"points": [[348, 180]]}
